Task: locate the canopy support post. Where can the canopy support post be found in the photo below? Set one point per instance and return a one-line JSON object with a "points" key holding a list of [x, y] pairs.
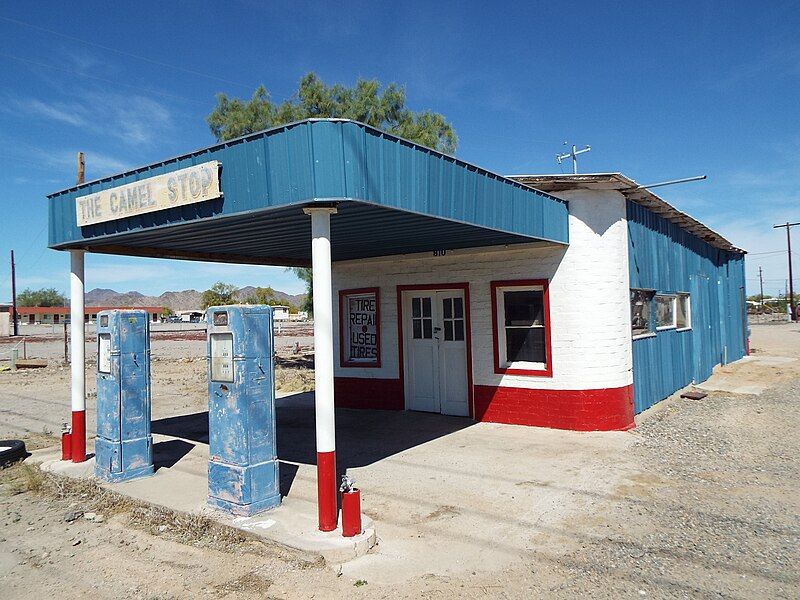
{"points": [[77, 355], [323, 365]]}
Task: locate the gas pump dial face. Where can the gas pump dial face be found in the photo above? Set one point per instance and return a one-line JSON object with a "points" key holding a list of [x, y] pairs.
{"points": [[104, 352], [222, 357]]}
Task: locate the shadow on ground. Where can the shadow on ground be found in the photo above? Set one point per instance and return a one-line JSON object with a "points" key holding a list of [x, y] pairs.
{"points": [[362, 436]]}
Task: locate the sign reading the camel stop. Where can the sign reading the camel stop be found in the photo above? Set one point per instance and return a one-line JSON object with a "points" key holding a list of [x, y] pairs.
{"points": [[361, 345], [184, 186]]}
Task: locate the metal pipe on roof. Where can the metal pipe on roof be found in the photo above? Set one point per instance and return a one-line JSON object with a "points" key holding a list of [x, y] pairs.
{"points": [[671, 182]]}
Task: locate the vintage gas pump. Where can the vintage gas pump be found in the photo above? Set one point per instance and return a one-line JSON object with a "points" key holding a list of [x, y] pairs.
{"points": [[124, 444], [243, 465]]}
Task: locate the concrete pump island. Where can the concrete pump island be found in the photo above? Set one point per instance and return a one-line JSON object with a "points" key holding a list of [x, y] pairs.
{"points": [[461, 319]]}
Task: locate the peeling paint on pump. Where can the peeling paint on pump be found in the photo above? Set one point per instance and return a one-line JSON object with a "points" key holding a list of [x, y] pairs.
{"points": [[243, 466]]}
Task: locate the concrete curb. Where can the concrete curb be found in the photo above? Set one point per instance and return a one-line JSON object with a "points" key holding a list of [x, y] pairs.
{"points": [[292, 525]]}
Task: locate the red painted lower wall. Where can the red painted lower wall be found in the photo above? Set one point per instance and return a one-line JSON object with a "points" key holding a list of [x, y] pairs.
{"points": [[579, 410], [380, 394]]}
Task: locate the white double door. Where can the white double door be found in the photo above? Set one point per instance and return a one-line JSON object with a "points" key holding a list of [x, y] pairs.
{"points": [[435, 369]]}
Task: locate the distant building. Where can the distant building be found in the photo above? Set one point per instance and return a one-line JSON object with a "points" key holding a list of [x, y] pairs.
{"points": [[191, 316], [54, 315], [280, 313]]}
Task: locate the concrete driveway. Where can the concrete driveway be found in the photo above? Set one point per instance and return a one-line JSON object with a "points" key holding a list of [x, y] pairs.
{"points": [[447, 495]]}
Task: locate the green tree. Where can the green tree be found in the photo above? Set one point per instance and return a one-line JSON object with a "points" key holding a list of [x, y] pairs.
{"points": [[219, 294], [167, 312], [304, 274], [262, 295], [365, 102], [384, 109], [42, 297]]}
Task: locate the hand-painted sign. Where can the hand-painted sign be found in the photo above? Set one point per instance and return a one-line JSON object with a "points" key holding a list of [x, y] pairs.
{"points": [[362, 344], [184, 186]]}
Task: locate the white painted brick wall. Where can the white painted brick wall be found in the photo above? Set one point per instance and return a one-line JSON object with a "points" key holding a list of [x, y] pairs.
{"points": [[589, 297]]}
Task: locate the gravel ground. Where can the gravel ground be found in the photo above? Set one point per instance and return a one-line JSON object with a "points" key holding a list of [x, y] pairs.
{"points": [[708, 506], [714, 512]]}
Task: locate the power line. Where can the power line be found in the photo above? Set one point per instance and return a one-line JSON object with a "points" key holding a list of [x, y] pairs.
{"points": [[788, 227], [123, 53]]}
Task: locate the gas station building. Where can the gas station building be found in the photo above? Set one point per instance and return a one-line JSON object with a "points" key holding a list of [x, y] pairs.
{"points": [[564, 301]]}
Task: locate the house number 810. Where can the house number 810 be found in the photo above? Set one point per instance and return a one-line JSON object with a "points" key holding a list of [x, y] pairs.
{"points": [[439, 252]]}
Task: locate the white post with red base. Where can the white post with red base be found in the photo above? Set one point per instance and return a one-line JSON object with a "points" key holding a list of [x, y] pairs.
{"points": [[323, 365], [77, 352]]}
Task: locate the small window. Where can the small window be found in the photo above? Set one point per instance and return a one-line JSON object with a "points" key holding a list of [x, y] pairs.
{"points": [[521, 343], [641, 312], [422, 318], [453, 319], [683, 313], [665, 311]]}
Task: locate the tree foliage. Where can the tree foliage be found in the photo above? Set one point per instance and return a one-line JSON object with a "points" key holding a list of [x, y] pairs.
{"points": [[382, 107], [262, 295], [365, 102], [304, 274], [42, 297], [267, 296], [219, 294]]}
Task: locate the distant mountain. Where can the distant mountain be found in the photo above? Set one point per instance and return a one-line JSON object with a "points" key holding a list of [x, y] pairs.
{"points": [[184, 300]]}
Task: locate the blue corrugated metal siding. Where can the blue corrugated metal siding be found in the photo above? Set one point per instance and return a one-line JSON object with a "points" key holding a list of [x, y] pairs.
{"points": [[665, 258], [328, 160]]}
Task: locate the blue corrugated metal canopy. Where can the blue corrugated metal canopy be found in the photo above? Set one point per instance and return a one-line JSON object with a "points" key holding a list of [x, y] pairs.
{"points": [[393, 197]]}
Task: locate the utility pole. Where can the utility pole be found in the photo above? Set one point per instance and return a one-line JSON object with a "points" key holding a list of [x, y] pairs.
{"points": [[789, 251], [14, 295], [574, 154], [81, 169], [761, 280]]}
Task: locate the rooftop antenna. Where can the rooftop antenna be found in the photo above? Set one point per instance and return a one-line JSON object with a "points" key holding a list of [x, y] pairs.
{"points": [[574, 155]]}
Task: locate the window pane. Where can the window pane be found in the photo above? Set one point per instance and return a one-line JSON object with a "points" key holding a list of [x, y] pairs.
{"points": [[525, 344], [682, 314], [447, 306], [524, 308], [641, 311], [459, 330], [448, 331], [665, 311], [427, 328], [426, 307], [458, 304], [417, 326], [415, 309]]}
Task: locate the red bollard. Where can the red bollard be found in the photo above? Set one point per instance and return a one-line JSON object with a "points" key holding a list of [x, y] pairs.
{"points": [[351, 512], [66, 445]]}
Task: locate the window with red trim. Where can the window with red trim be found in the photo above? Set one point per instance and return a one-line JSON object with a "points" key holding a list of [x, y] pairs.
{"points": [[359, 328], [521, 327]]}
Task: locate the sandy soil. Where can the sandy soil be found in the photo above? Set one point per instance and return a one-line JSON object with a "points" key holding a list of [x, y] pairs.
{"points": [[37, 401], [709, 506], [167, 340]]}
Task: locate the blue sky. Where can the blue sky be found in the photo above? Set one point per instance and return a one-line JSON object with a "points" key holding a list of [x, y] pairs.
{"points": [[659, 90]]}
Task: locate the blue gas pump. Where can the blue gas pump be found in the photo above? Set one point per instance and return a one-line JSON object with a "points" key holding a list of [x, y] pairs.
{"points": [[124, 444], [243, 464]]}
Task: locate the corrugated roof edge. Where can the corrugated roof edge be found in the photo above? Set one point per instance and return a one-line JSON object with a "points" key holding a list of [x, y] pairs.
{"points": [[631, 190], [270, 130]]}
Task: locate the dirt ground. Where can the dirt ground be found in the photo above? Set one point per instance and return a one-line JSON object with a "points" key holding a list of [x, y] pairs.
{"points": [[708, 507], [167, 340], [37, 401]]}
